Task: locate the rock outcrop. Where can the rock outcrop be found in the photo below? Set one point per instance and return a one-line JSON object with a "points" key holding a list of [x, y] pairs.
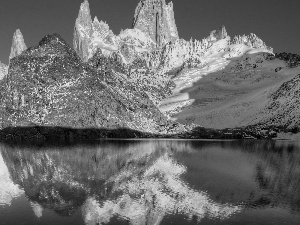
{"points": [[156, 18], [3, 70], [293, 60], [18, 44]]}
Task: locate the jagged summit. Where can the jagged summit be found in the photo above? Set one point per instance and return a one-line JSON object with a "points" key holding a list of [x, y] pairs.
{"points": [[84, 15], [154, 29], [18, 44], [156, 18], [92, 34], [83, 31]]}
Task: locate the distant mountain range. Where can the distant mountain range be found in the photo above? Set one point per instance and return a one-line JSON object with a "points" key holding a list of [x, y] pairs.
{"points": [[147, 79]]}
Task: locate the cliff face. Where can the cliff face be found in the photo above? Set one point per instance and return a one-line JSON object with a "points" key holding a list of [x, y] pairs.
{"points": [[49, 85], [156, 18], [18, 44]]}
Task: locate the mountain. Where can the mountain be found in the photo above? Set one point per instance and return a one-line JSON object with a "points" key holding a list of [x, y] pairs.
{"points": [[150, 80], [92, 35], [156, 18], [234, 86], [49, 85], [18, 45]]}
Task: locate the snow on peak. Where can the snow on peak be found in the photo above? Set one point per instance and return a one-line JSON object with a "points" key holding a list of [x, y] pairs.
{"points": [[251, 41]]}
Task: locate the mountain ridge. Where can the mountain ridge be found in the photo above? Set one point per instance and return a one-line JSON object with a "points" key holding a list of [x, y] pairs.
{"points": [[148, 79]]}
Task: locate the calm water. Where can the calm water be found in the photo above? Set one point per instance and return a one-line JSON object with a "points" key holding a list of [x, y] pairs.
{"points": [[151, 182]]}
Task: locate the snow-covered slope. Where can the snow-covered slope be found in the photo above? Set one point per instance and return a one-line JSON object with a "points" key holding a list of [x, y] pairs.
{"points": [[233, 88]]}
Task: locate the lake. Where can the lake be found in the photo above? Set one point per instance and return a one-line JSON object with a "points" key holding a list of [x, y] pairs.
{"points": [[151, 182]]}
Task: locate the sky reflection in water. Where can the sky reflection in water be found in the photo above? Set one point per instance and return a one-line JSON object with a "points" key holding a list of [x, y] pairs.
{"points": [[151, 182]]}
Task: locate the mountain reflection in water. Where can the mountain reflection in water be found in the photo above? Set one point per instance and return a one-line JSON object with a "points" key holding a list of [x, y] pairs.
{"points": [[153, 182]]}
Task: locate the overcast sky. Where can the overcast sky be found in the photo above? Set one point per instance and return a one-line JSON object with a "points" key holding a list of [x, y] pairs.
{"points": [[276, 22]]}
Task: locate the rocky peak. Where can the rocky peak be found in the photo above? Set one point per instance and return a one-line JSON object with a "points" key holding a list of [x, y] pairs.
{"points": [[84, 16], [218, 34], [83, 31], [18, 45], [53, 46], [156, 18], [70, 93], [52, 39]]}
